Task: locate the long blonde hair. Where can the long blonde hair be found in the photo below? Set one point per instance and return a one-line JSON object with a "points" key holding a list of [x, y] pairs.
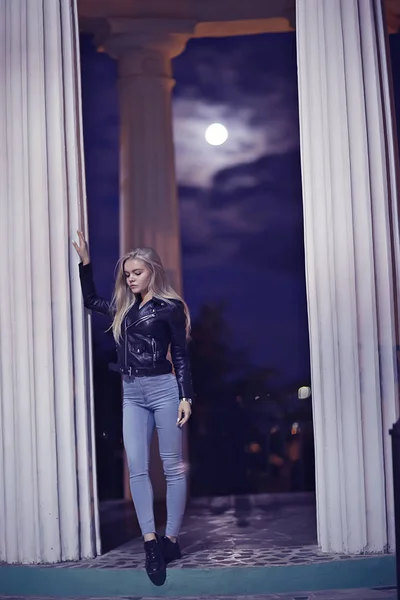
{"points": [[123, 298]]}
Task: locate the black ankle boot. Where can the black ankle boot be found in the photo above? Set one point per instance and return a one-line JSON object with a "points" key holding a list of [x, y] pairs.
{"points": [[171, 550], [155, 565]]}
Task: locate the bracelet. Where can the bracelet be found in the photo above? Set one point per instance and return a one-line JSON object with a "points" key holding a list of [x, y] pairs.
{"points": [[189, 400]]}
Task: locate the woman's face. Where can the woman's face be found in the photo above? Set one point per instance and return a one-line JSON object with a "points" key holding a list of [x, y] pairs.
{"points": [[137, 275]]}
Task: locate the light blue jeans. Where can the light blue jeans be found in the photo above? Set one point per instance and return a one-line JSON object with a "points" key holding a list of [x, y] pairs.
{"points": [[150, 402]]}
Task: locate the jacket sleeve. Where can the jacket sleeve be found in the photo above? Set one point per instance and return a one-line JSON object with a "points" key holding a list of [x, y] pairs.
{"points": [[180, 353], [91, 299]]}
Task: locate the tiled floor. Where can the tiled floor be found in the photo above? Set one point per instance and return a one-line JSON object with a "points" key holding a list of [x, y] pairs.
{"points": [[228, 532]]}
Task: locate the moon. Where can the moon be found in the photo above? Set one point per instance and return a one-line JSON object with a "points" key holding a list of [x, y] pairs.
{"points": [[216, 134]]}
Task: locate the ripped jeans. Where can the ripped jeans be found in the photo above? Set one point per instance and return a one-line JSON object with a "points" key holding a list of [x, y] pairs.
{"points": [[150, 402]]}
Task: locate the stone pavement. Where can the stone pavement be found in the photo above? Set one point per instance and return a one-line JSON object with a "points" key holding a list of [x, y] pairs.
{"points": [[241, 531]]}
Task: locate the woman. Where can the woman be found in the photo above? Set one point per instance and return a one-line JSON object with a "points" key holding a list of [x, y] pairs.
{"points": [[149, 319]]}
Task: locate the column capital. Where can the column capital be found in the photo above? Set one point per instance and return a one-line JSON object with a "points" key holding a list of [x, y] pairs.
{"points": [[143, 46]]}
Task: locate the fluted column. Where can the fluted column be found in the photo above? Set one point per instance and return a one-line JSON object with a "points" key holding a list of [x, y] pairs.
{"points": [[48, 502], [349, 171], [149, 214]]}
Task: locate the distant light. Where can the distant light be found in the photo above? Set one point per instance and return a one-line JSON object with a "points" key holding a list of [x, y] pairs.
{"points": [[304, 393], [216, 134], [254, 448], [295, 429]]}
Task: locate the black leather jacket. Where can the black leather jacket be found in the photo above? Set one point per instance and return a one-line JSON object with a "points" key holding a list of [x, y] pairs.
{"points": [[147, 333]]}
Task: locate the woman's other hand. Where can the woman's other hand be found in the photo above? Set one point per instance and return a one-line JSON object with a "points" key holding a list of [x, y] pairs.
{"points": [[82, 248], [184, 412]]}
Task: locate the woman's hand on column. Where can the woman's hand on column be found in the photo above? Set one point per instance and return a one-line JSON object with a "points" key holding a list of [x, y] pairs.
{"points": [[82, 248]]}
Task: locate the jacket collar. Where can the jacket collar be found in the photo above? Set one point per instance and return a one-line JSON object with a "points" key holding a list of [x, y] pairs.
{"points": [[158, 301], [147, 307], [153, 300]]}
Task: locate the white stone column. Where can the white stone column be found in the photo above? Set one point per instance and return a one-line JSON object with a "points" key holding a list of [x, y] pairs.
{"points": [[48, 500], [149, 212], [148, 196], [349, 171]]}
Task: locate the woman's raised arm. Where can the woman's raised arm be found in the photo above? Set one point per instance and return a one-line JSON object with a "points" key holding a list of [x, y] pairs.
{"points": [[91, 299]]}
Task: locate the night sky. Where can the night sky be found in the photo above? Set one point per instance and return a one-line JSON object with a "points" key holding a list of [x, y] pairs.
{"points": [[240, 203]]}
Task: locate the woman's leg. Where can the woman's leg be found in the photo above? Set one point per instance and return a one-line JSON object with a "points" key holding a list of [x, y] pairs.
{"points": [[163, 398], [138, 427]]}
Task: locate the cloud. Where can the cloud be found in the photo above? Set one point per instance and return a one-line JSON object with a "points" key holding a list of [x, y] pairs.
{"points": [[252, 214], [240, 85]]}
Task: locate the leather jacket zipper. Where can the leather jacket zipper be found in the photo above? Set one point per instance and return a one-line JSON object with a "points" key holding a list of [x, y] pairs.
{"points": [[145, 318], [153, 345]]}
